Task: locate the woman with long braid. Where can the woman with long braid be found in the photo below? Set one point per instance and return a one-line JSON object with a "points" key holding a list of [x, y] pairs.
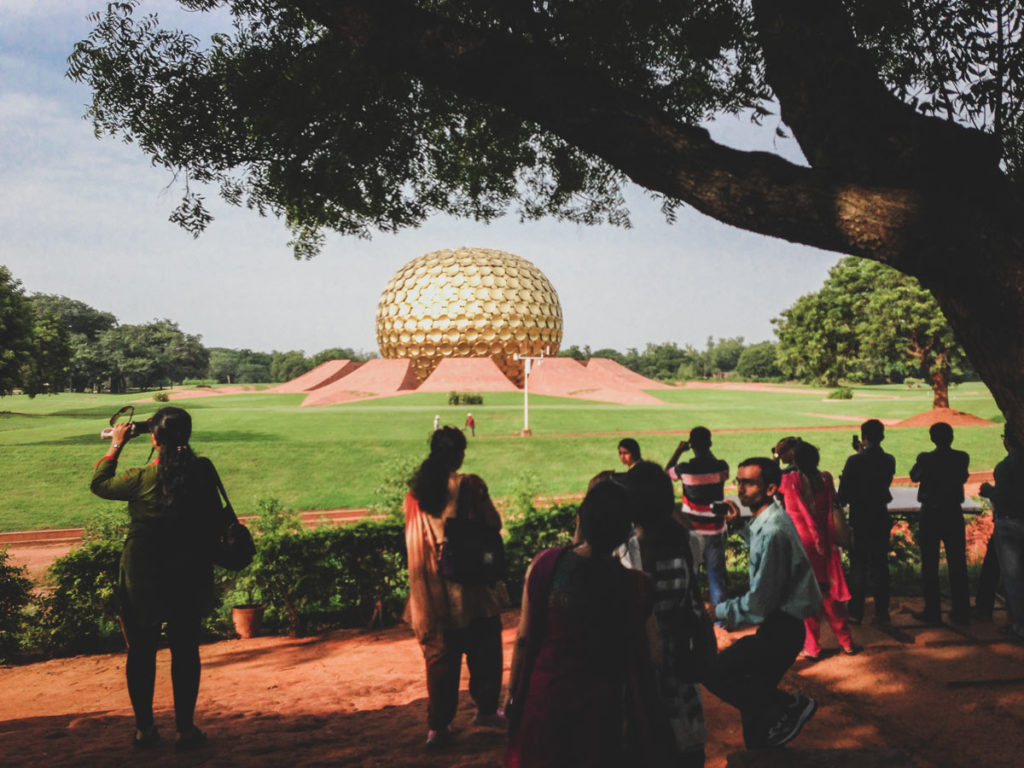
{"points": [[452, 619], [166, 570]]}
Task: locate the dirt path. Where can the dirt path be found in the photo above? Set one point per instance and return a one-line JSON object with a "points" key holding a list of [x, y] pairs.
{"points": [[916, 697]]}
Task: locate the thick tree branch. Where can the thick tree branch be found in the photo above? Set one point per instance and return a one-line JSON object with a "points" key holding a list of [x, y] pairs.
{"points": [[756, 191], [841, 113]]}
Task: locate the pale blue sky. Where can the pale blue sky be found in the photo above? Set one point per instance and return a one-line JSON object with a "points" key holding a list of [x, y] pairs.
{"points": [[88, 219]]}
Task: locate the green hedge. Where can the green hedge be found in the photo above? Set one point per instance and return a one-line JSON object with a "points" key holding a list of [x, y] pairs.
{"points": [[308, 579], [15, 597]]}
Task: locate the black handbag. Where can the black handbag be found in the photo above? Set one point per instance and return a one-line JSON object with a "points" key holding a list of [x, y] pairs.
{"points": [[234, 547], [472, 552]]}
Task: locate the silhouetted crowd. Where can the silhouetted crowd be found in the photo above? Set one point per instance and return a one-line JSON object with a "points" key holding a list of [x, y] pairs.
{"points": [[616, 645]]}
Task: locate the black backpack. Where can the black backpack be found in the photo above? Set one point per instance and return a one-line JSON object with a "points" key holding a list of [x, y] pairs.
{"points": [[472, 552]]}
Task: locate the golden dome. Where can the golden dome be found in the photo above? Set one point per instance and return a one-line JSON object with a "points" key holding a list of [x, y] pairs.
{"points": [[469, 302]]}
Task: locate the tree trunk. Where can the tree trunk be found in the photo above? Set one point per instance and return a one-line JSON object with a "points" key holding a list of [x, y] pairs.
{"points": [[984, 301], [940, 388]]}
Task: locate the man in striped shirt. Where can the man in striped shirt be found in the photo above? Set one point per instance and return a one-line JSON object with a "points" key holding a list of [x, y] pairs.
{"points": [[703, 479]]}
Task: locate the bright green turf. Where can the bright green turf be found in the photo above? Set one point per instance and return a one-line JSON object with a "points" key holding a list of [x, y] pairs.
{"points": [[336, 456]]}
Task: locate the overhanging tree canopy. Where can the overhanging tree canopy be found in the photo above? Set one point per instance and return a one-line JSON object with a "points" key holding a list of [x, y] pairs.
{"points": [[363, 115]]}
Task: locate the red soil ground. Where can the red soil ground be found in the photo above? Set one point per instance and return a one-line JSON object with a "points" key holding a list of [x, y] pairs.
{"points": [[948, 415], [917, 696]]}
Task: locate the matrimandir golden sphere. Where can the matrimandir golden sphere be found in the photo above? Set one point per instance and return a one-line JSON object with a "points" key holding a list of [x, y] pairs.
{"points": [[468, 302]]}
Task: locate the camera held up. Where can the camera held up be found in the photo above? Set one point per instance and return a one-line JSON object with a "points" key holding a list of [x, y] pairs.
{"points": [[135, 429]]}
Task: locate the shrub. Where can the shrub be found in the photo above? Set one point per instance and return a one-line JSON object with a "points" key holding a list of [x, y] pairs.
{"points": [[161, 397], [843, 393], [15, 596], [80, 612], [327, 575], [527, 533], [392, 489], [465, 398]]}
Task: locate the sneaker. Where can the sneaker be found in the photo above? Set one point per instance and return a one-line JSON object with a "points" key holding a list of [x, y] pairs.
{"points": [[439, 739], [811, 657], [146, 739], [799, 711], [189, 740], [981, 614], [926, 618], [851, 650], [1011, 633], [492, 720]]}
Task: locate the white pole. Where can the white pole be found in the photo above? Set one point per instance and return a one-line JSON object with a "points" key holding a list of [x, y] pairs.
{"points": [[527, 365], [526, 396]]}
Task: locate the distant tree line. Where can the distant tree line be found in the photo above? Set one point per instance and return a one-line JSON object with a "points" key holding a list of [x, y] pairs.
{"points": [[867, 324], [243, 366], [52, 343], [720, 358]]}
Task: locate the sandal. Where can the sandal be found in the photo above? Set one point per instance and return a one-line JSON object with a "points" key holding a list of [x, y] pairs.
{"points": [[192, 739], [146, 739]]}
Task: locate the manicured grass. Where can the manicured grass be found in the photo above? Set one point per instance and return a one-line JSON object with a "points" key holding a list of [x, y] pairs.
{"points": [[337, 456]]}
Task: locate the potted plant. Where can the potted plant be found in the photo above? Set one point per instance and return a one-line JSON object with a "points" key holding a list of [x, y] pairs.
{"points": [[260, 580]]}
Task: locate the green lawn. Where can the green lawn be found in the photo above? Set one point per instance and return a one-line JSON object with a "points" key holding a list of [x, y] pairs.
{"points": [[336, 456]]}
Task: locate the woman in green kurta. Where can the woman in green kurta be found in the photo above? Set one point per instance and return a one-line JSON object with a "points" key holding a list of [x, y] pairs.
{"points": [[166, 572]]}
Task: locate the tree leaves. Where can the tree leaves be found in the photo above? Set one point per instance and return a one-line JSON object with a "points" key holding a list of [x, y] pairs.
{"points": [[867, 323]]}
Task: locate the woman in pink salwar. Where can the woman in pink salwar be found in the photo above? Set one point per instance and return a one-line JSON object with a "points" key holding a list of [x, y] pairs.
{"points": [[809, 496]]}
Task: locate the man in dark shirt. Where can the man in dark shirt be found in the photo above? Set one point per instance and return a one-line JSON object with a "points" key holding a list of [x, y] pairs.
{"points": [[1007, 497], [703, 479], [864, 486], [942, 474]]}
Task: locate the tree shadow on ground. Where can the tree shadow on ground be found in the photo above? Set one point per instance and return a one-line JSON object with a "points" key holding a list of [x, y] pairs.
{"points": [[388, 736]]}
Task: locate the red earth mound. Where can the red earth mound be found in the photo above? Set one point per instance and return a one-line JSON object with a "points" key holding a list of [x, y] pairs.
{"points": [[472, 374], [372, 379], [948, 415], [565, 377], [321, 376]]}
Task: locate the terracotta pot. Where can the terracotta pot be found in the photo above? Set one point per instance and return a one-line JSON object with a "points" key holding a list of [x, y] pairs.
{"points": [[247, 620]]}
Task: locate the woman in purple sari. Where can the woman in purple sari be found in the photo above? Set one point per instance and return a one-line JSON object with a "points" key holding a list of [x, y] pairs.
{"points": [[581, 678]]}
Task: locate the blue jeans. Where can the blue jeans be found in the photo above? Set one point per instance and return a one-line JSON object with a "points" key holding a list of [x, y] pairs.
{"points": [[1008, 535], [710, 550]]}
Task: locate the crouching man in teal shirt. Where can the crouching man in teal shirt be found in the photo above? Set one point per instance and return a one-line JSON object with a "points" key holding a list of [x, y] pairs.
{"points": [[783, 592]]}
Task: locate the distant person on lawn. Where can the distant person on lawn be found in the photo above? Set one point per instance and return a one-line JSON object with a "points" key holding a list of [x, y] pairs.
{"points": [[166, 570], [451, 620], [783, 592], [864, 486], [629, 452], [471, 424], [942, 474], [703, 478]]}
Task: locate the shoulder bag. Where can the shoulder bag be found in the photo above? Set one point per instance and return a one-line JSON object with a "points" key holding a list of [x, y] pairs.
{"points": [[233, 547]]}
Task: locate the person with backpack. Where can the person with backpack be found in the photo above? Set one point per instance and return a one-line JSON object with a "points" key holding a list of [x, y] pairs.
{"points": [[452, 619]]}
